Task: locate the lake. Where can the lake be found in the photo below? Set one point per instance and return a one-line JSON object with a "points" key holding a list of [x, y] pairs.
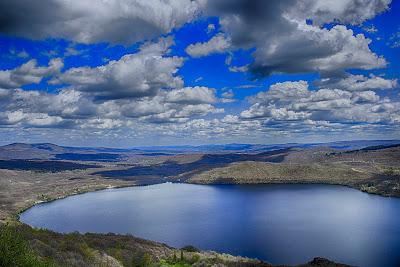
{"points": [[281, 224]]}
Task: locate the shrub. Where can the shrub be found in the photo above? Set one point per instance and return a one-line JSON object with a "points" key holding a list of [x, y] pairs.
{"points": [[145, 261], [15, 252], [190, 249]]}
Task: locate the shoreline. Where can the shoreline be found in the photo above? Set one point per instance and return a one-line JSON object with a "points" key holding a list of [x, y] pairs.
{"points": [[15, 218], [99, 234], [17, 215], [305, 183]]}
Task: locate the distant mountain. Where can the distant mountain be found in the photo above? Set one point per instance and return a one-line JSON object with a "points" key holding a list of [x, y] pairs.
{"points": [[357, 144], [28, 151], [46, 151]]}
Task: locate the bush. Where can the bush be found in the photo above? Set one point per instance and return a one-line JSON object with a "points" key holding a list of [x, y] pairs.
{"points": [[146, 261], [190, 249], [15, 252]]}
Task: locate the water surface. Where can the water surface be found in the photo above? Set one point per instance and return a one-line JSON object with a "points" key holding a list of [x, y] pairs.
{"points": [[282, 224]]}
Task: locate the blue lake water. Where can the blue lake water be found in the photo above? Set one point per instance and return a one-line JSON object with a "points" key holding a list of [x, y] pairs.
{"points": [[282, 224]]}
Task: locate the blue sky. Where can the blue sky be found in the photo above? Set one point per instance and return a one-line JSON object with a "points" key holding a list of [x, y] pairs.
{"points": [[199, 72]]}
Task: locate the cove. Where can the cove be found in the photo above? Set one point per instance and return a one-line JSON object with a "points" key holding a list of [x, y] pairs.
{"points": [[281, 224]]}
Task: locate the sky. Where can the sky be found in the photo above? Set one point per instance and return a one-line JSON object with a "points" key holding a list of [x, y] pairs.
{"points": [[125, 73]]}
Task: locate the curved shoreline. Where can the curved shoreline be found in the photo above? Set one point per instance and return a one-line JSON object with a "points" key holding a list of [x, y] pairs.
{"points": [[17, 215], [89, 190], [128, 188], [111, 188]]}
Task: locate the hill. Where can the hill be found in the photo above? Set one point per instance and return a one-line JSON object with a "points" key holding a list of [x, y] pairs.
{"points": [[48, 151], [374, 170], [57, 172]]}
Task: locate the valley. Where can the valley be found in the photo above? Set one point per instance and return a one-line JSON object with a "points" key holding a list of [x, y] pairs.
{"points": [[32, 174]]}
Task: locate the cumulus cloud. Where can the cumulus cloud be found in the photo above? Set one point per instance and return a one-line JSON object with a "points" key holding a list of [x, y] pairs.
{"points": [[218, 44], [181, 114], [87, 21], [228, 94], [134, 75], [358, 83], [294, 101], [278, 30], [69, 108], [285, 43], [343, 11], [192, 95], [142, 93], [29, 73], [138, 88], [316, 50]]}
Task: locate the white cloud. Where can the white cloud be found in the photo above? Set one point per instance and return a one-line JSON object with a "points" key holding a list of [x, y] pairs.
{"points": [[138, 88], [311, 49], [134, 75], [71, 109], [343, 11], [192, 95], [358, 83], [394, 39], [285, 43], [243, 68], [30, 119], [210, 28], [370, 29], [228, 94], [228, 97], [28, 73], [294, 101], [87, 21], [217, 44], [142, 94]]}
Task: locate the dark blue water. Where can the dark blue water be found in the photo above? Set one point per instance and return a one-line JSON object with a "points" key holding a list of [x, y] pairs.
{"points": [[282, 224]]}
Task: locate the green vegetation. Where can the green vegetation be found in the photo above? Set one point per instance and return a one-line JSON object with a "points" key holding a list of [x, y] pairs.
{"points": [[23, 246], [190, 249], [391, 171], [383, 181], [166, 263], [15, 252], [369, 188], [188, 258]]}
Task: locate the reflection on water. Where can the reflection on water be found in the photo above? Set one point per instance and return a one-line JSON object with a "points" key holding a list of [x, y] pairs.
{"points": [[282, 224]]}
